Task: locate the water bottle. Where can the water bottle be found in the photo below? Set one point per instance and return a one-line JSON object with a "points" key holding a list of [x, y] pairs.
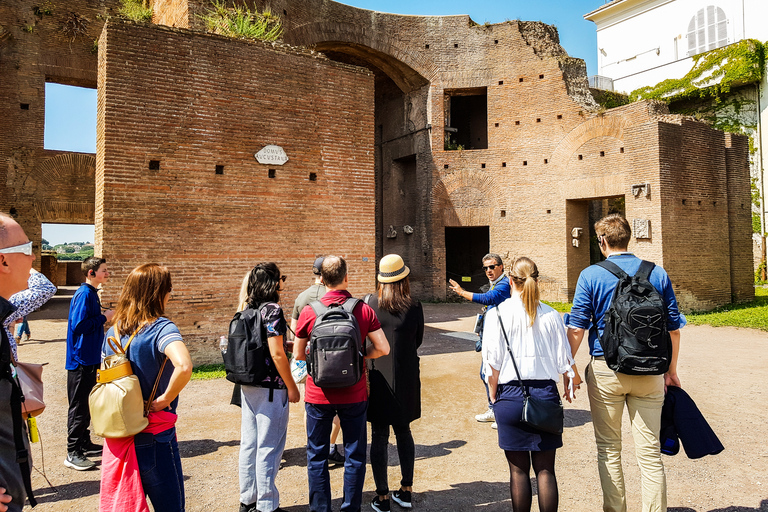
{"points": [[223, 344]]}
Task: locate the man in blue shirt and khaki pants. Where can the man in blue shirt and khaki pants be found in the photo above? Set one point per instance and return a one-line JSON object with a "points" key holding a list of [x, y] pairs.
{"points": [[608, 390]]}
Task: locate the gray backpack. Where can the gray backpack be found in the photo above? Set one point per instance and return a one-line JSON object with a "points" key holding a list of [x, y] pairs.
{"points": [[335, 350]]}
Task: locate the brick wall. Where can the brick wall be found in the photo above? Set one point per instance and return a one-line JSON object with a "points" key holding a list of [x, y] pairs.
{"points": [[38, 185], [226, 101]]}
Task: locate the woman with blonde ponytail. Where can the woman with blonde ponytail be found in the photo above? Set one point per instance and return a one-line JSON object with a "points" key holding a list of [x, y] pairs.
{"points": [[536, 336]]}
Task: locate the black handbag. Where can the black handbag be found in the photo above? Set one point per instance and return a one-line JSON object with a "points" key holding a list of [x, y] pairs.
{"points": [[544, 415]]}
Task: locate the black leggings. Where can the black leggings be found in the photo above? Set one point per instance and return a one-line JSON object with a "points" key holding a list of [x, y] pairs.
{"points": [[520, 480], [379, 457]]}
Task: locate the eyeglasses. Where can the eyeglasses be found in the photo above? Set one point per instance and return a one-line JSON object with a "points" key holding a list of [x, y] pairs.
{"points": [[600, 238], [283, 278], [25, 249], [490, 267]]}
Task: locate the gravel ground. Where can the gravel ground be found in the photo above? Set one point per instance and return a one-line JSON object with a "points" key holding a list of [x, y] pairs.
{"points": [[459, 466]]}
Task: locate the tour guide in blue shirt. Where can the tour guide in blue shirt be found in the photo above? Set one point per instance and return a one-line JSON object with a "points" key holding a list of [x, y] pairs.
{"points": [[608, 390], [85, 335], [499, 292]]}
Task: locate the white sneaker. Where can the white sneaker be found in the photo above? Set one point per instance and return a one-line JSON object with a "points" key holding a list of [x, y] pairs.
{"points": [[486, 416], [494, 426]]}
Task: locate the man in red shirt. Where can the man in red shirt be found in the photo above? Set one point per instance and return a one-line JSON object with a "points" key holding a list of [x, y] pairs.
{"points": [[350, 403]]}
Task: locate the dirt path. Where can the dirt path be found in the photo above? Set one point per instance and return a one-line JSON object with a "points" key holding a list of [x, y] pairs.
{"points": [[459, 466]]}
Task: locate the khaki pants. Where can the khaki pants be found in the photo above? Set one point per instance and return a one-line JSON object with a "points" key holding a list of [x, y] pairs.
{"points": [[644, 396]]}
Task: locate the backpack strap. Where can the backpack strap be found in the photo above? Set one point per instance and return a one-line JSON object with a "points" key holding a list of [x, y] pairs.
{"points": [[612, 268], [350, 304], [646, 267], [318, 307], [367, 298]]}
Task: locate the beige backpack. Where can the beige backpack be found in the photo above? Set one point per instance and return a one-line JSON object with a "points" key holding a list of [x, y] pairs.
{"points": [[117, 405]]}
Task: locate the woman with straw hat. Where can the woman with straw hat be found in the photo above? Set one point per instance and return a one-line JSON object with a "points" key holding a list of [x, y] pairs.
{"points": [[395, 396]]}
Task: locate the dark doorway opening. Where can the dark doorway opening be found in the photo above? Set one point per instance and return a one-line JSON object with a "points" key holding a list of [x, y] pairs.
{"points": [[599, 208], [464, 251]]}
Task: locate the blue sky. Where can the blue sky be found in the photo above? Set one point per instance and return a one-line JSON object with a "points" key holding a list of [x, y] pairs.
{"points": [[70, 112]]}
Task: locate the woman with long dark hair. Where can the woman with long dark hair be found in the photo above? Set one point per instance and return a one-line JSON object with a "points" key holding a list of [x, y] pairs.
{"points": [[155, 340], [395, 397], [264, 407], [537, 339]]}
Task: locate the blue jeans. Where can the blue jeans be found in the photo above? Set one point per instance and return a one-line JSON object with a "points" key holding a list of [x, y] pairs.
{"points": [[160, 468], [355, 432], [487, 389], [23, 328]]}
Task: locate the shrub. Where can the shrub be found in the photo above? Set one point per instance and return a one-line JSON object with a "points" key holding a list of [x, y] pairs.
{"points": [[242, 23]]}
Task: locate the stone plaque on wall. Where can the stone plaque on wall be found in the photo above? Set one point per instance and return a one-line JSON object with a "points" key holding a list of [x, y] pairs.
{"points": [[271, 154], [642, 228]]}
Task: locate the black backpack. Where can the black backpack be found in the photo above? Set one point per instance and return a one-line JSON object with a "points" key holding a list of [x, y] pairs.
{"points": [[245, 360], [335, 358], [636, 340]]}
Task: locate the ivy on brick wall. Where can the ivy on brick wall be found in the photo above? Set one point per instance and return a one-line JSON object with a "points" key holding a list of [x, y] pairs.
{"points": [[712, 75]]}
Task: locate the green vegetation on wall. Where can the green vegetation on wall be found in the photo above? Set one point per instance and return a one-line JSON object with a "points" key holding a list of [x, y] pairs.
{"points": [[135, 10], [242, 23], [712, 75]]}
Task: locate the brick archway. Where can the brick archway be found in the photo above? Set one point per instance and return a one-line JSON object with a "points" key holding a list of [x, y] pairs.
{"points": [[62, 188], [407, 69], [600, 126], [477, 199]]}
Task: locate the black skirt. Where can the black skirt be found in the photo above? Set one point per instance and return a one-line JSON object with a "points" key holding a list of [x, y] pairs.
{"points": [[514, 436]]}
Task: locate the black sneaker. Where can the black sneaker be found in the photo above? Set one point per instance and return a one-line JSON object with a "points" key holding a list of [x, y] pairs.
{"points": [[91, 449], [380, 506], [248, 508], [77, 461], [335, 458], [402, 498]]}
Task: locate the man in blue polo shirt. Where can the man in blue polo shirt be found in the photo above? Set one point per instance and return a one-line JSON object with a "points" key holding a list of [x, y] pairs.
{"points": [[498, 292], [85, 335], [609, 391]]}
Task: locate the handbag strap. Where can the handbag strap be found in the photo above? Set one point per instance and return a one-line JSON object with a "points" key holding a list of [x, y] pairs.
{"points": [[154, 388], [509, 349], [117, 347]]}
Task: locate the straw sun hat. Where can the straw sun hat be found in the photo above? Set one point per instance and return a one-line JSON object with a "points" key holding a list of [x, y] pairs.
{"points": [[392, 269]]}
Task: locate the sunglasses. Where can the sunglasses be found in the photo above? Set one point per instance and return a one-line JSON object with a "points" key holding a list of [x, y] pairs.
{"points": [[283, 278], [490, 267], [25, 249]]}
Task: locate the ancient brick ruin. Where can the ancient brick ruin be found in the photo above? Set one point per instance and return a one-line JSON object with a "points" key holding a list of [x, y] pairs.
{"points": [[431, 137]]}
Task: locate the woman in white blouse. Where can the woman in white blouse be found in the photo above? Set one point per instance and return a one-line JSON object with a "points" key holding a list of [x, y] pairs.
{"points": [[537, 338]]}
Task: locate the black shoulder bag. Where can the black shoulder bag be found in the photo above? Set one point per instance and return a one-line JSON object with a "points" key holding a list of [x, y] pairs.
{"points": [[544, 415]]}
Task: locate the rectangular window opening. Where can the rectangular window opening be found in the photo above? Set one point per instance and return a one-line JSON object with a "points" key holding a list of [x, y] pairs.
{"points": [[525, 162], [517, 123], [521, 79], [541, 76], [219, 169], [313, 176], [466, 118], [503, 213], [154, 165], [271, 173], [426, 46], [546, 161], [503, 164], [559, 116], [482, 166], [501, 82], [581, 157], [621, 150], [70, 118], [24, 106], [602, 153]]}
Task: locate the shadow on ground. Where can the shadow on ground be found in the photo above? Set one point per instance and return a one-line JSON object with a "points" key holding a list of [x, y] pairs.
{"points": [[196, 447], [763, 508]]}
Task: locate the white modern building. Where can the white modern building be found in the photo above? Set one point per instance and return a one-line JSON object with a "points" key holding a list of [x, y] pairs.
{"points": [[643, 42]]}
